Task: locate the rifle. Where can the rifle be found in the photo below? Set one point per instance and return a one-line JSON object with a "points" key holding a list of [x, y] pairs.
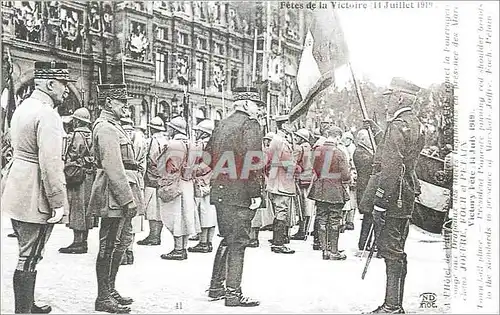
{"points": [[370, 255]]}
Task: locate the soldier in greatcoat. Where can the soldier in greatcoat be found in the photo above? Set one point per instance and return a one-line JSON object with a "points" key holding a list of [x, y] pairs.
{"points": [[363, 159], [155, 145], [395, 184], [264, 216], [80, 151], [332, 172], [304, 181], [116, 194], [140, 146], [235, 144], [281, 184], [178, 215], [35, 194], [202, 173]]}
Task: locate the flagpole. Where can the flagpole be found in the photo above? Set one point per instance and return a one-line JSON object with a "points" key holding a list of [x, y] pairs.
{"points": [[223, 102], [359, 94], [123, 68]]}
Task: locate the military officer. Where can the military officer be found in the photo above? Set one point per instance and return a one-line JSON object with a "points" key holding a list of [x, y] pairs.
{"points": [[281, 184], [264, 216], [396, 187], [363, 158], [178, 212], [80, 152], [140, 147], [202, 172], [35, 194], [154, 147], [116, 196], [235, 196], [304, 180], [328, 190]]}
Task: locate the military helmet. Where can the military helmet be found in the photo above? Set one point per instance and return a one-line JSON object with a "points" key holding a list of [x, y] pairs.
{"points": [[303, 133], [82, 114], [269, 136], [157, 124], [206, 125], [178, 123]]}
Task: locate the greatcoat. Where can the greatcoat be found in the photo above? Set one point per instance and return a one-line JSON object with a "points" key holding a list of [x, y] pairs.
{"points": [[35, 183], [117, 180], [79, 195]]}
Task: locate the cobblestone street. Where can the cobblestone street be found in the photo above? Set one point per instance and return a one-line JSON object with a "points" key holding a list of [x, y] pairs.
{"points": [[299, 283]]}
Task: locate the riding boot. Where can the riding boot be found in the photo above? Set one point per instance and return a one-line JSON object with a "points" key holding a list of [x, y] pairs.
{"points": [[316, 241], [404, 264], [254, 238], [217, 289], [300, 235], [24, 286], [392, 289], [77, 246], [116, 260], [279, 238], [333, 240], [154, 237], [105, 302]]}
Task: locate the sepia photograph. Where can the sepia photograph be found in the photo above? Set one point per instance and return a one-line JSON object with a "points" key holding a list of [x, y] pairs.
{"points": [[220, 157]]}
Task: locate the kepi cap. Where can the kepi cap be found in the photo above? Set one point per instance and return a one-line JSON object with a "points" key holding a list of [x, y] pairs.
{"points": [[115, 91], [52, 70], [247, 93]]}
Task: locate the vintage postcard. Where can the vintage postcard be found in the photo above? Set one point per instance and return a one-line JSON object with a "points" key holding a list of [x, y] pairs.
{"points": [[210, 157]]}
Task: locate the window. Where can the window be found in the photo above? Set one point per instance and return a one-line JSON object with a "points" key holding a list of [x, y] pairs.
{"points": [[234, 78], [202, 43], [160, 32], [183, 38], [236, 53], [201, 74], [219, 49], [161, 69]]}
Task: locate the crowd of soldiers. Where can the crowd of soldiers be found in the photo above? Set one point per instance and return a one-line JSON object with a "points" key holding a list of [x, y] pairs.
{"points": [[110, 169]]}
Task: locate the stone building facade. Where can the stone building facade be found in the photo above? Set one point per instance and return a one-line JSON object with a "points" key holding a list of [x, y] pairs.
{"points": [[175, 56]]}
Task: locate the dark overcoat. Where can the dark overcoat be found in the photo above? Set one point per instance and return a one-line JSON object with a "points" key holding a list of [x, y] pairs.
{"points": [[80, 149], [331, 169], [117, 181], [394, 162], [232, 139], [363, 159]]}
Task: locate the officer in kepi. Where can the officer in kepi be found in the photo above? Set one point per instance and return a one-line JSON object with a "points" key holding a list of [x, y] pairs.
{"points": [[116, 196], [35, 193], [396, 188], [235, 196]]}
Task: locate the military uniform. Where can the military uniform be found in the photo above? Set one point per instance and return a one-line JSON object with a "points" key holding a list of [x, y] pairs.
{"points": [[281, 187], [305, 179], [330, 195], [203, 173], [80, 221], [116, 197], [155, 146], [395, 189], [179, 215], [232, 196], [35, 183]]}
